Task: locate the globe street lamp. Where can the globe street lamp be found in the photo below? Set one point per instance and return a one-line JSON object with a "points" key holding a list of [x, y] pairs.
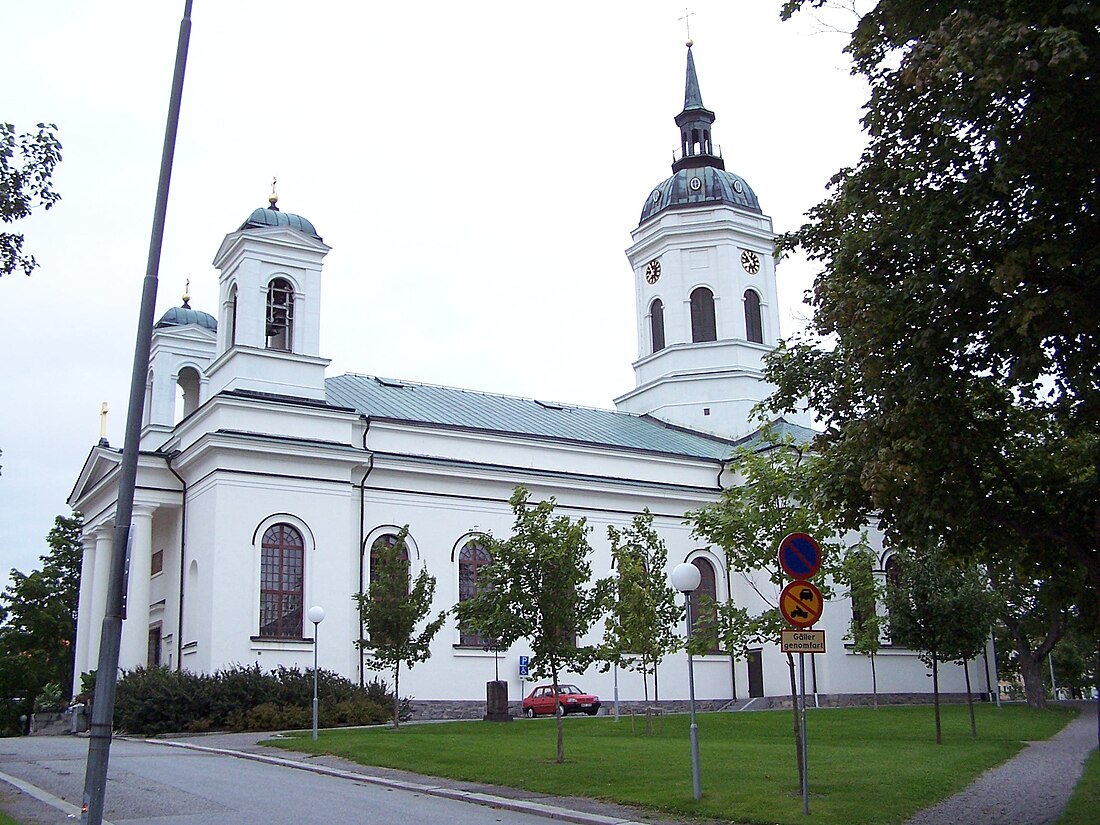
{"points": [[316, 615], [685, 578]]}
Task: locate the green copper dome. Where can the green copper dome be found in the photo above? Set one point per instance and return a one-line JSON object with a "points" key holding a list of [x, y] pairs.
{"points": [[272, 216], [185, 316]]}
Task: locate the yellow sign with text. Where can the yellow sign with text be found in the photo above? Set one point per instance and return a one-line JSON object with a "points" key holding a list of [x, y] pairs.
{"points": [[803, 641]]}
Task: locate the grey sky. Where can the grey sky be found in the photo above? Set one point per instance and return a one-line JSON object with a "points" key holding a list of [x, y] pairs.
{"points": [[476, 167]]}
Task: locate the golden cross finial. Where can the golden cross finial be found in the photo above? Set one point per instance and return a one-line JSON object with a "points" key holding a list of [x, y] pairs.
{"points": [[103, 420], [687, 22], [273, 198], [186, 291]]}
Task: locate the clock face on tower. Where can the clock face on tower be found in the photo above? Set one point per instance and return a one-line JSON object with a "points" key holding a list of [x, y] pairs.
{"points": [[652, 271], [750, 261]]}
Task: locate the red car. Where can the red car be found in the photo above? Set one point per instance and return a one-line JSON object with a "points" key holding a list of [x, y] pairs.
{"points": [[571, 698]]}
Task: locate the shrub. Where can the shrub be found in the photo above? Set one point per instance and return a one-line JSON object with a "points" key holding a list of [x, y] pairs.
{"points": [[156, 700]]}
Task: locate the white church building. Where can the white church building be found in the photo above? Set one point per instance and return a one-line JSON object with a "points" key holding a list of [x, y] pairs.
{"points": [[264, 492]]}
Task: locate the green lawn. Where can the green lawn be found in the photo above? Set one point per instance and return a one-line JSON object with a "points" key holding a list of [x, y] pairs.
{"points": [[7, 820], [866, 766], [1085, 802]]}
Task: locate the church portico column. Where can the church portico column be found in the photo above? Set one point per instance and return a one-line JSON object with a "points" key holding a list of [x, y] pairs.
{"points": [[135, 629], [104, 539], [84, 611]]}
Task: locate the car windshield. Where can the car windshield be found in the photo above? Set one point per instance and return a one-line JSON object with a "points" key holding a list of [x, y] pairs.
{"points": [[568, 689]]}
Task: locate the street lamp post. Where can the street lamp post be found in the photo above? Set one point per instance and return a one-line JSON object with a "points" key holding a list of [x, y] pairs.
{"points": [[685, 578], [316, 615]]}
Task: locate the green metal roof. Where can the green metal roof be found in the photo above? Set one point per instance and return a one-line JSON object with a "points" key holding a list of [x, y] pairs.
{"points": [[781, 430], [467, 409]]}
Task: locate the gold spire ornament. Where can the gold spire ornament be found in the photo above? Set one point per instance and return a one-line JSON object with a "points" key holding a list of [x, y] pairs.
{"points": [[273, 198]]}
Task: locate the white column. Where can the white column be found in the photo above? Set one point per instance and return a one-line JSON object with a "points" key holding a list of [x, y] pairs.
{"points": [[135, 630], [84, 611], [104, 538]]}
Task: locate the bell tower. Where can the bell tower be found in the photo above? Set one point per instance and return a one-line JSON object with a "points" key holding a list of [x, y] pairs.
{"points": [[269, 329], [704, 279]]}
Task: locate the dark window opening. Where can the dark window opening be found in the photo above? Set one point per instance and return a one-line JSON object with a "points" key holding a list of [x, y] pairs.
{"points": [[156, 564], [754, 328], [657, 324], [703, 601], [280, 315], [472, 559], [282, 556], [703, 326], [388, 540]]}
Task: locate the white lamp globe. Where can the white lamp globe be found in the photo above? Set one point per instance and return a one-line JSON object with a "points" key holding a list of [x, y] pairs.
{"points": [[316, 614], [685, 577]]}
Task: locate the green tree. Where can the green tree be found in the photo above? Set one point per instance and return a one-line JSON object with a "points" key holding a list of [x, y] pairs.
{"points": [[391, 610], [536, 589], [640, 627], [941, 609], [1035, 605], [774, 497], [38, 623], [954, 354], [865, 593], [27, 163]]}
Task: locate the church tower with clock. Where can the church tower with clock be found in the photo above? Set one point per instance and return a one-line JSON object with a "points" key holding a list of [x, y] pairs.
{"points": [[704, 273]]}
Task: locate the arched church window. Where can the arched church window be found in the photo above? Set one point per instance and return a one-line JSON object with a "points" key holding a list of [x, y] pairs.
{"points": [[231, 316], [282, 565], [754, 328], [703, 327], [657, 324], [280, 315], [187, 393], [389, 540], [472, 559], [703, 601]]}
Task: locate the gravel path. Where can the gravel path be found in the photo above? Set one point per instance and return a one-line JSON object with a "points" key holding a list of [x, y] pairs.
{"points": [[1030, 789]]}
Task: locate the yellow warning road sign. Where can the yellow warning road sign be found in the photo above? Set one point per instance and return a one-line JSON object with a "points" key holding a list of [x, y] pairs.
{"points": [[800, 603]]}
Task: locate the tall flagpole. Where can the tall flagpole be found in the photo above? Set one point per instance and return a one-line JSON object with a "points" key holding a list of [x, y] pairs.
{"points": [[103, 707]]}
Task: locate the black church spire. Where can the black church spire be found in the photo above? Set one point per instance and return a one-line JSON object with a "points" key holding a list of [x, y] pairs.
{"points": [[696, 148]]}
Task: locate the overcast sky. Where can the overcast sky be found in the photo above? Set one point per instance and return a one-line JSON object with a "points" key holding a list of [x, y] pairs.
{"points": [[477, 168]]}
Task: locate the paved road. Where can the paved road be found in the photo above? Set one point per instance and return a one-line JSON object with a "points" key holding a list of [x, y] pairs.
{"points": [[152, 784]]}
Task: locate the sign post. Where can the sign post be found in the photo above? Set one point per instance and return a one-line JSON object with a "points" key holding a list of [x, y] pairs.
{"points": [[801, 605]]}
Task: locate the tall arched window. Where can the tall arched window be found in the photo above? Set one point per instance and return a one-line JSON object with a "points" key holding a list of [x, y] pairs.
{"points": [[703, 601], [388, 540], [754, 328], [471, 559], [657, 324], [187, 393], [282, 557], [702, 315], [280, 315], [231, 317]]}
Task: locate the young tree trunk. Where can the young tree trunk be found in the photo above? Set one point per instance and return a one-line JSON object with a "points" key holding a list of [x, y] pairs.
{"points": [[560, 716], [396, 697], [874, 681], [936, 696], [656, 698], [797, 721], [970, 699]]}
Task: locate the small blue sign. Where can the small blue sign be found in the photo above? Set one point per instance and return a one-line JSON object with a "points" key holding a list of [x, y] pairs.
{"points": [[799, 556], [524, 661], [523, 670]]}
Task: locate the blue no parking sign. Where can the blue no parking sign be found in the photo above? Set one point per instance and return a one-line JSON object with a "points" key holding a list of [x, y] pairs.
{"points": [[799, 556]]}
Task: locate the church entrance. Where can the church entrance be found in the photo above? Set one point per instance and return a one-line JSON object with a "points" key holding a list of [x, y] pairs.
{"points": [[756, 673]]}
